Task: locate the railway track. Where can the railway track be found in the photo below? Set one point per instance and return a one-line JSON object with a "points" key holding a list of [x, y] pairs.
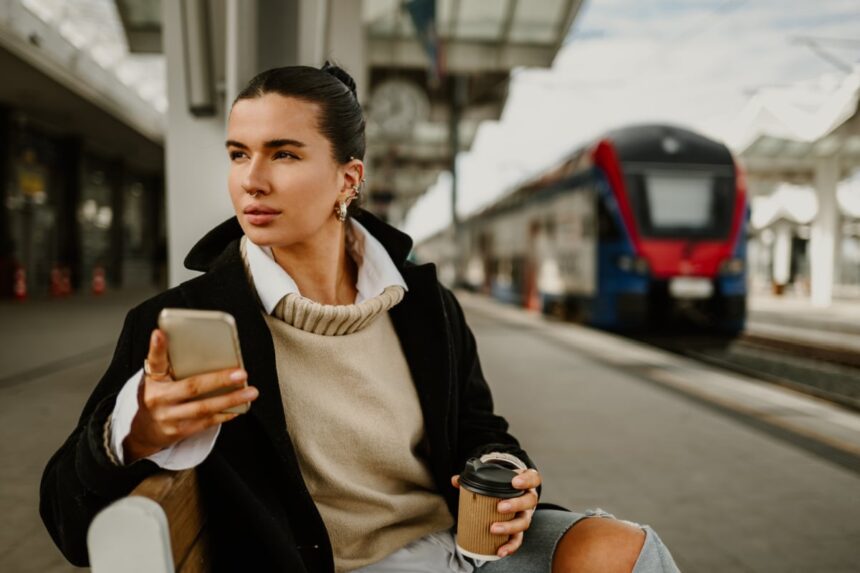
{"points": [[814, 351], [826, 371]]}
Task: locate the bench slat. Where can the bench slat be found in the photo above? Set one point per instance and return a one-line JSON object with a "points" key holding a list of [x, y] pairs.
{"points": [[197, 560], [179, 496]]}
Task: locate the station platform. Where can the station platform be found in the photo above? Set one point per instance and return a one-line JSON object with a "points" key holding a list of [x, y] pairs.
{"points": [[52, 354], [735, 474], [795, 319]]}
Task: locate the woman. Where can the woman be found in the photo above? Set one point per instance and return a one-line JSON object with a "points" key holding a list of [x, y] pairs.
{"points": [[367, 391]]}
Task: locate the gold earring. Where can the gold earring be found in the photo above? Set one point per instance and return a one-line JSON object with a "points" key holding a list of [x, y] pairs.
{"points": [[340, 210]]}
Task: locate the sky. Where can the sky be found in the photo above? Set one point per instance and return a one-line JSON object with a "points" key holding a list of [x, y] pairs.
{"points": [[694, 63]]}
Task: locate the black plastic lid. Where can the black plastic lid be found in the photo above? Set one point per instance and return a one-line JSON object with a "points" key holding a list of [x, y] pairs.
{"points": [[489, 479]]}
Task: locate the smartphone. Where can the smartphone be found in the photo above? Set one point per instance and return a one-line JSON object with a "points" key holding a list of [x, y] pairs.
{"points": [[200, 341]]}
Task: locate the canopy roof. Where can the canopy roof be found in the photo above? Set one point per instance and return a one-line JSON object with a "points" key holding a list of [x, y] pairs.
{"points": [[95, 28], [783, 132], [479, 36]]}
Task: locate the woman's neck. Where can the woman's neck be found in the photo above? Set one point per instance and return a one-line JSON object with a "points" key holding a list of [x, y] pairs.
{"points": [[321, 268]]}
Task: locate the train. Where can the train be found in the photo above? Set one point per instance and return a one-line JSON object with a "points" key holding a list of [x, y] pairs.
{"points": [[641, 228]]}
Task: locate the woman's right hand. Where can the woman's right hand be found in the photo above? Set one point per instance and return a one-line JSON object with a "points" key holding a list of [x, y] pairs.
{"points": [[167, 410]]}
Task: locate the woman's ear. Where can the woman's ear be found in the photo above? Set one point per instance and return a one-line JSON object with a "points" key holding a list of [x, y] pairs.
{"points": [[353, 174]]}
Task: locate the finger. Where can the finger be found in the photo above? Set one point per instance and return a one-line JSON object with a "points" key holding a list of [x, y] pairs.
{"points": [[195, 386], [527, 479], [157, 357], [511, 546], [522, 503], [520, 523], [208, 406], [204, 408], [455, 481], [191, 428]]}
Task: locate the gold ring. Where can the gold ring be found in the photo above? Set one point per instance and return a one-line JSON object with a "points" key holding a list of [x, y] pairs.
{"points": [[148, 371]]}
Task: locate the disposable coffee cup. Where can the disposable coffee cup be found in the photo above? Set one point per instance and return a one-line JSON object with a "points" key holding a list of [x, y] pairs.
{"points": [[482, 485]]}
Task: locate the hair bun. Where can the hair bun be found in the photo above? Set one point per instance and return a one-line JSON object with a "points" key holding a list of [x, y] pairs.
{"points": [[340, 74]]}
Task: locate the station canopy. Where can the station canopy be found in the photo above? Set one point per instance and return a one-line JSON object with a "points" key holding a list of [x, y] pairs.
{"points": [[783, 132], [95, 27], [782, 135], [478, 35]]}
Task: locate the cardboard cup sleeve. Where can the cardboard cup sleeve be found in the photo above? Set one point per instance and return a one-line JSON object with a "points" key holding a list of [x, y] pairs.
{"points": [[477, 513]]}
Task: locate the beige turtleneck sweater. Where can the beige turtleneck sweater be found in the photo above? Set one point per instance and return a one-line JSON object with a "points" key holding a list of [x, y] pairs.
{"points": [[355, 421]]}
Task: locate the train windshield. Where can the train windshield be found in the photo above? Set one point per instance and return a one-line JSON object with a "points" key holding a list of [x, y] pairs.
{"points": [[682, 204]]}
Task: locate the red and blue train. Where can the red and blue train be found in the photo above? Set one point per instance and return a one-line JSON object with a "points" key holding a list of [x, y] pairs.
{"points": [[642, 228]]}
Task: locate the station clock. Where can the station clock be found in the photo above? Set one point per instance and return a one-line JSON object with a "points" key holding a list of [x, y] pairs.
{"points": [[396, 105]]}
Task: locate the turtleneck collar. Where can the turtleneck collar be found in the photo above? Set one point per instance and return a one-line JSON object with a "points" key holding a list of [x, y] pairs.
{"points": [[376, 270]]}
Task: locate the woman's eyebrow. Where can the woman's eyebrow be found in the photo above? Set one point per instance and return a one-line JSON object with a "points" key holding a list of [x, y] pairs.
{"points": [[272, 144], [282, 142]]}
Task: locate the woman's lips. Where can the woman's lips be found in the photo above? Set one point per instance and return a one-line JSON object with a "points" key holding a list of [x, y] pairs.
{"points": [[260, 215], [261, 218]]}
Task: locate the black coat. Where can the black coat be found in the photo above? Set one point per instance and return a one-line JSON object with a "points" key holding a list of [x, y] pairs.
{"points": [[260, 514]]}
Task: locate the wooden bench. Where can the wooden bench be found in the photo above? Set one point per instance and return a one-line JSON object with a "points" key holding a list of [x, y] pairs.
{"points": [[158, 528]]}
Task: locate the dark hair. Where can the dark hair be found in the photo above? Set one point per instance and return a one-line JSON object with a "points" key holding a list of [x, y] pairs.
{"points": [[333, 89]]}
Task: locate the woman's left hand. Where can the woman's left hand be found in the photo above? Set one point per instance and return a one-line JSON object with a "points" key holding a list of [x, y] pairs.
{"points": [[524, 506]]}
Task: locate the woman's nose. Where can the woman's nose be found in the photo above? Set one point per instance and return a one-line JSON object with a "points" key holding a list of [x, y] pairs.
{"points": [[255, 180]]}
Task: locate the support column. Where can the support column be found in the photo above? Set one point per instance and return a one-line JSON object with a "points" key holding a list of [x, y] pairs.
{"points": [[822, 243], [345, 41], [311, 23], [781, 255], [276, 33], [196, 162], [241, 46], [458, 100]]}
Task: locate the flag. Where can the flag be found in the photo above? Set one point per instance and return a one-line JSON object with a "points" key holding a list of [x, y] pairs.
{"points": [[423, 14]]}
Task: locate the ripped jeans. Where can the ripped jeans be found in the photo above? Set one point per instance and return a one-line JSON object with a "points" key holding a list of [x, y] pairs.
{"points": [[438, 553]]}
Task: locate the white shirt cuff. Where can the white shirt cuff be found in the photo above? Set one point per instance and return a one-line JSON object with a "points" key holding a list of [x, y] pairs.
{"points": [[182, 455]]}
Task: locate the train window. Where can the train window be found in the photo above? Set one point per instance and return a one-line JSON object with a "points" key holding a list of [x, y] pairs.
{"points": [[682, 204]]}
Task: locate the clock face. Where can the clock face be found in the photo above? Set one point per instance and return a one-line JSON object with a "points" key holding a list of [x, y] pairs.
{"points": [[396, 105]]}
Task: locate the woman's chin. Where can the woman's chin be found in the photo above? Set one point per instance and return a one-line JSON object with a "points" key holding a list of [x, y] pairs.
{"points": [[280, 234], [264, 236]]}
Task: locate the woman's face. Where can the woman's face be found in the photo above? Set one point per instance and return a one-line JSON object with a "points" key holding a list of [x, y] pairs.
{"points": [[277, 152]]}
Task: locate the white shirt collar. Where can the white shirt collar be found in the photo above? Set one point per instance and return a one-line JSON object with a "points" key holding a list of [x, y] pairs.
{"points": [[376, 270]]}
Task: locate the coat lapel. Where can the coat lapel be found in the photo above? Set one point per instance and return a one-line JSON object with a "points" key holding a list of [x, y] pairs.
{"points": [[419, 321]]}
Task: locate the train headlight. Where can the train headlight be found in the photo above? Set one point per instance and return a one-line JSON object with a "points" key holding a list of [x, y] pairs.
{"points": [[732, 267], [636, 265], [641, 266]]}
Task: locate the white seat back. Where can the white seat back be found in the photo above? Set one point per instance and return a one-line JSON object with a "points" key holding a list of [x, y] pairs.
{"points": [[130, 535]]}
